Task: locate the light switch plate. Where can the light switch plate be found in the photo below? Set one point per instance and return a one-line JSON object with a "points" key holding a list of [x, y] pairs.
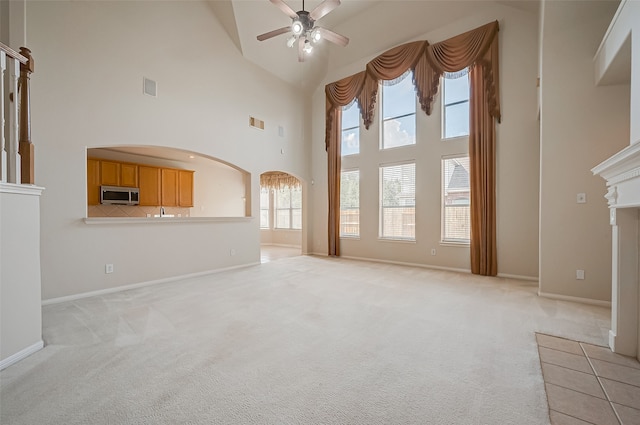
{"points": [[581, 198]]}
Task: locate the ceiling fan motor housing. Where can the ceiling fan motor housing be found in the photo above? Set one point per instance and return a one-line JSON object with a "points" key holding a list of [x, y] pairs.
{"points": [[305, 20]]}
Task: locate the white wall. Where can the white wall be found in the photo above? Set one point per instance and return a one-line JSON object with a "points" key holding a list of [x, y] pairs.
{"points": [[581, 125], [87, 92], [20, 293], [517, 156]]}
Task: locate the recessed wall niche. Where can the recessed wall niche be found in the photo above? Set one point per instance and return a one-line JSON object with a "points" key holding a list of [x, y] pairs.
{"points": [[170, 182]]}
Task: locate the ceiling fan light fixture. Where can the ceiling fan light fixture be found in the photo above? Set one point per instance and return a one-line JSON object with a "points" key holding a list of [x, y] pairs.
{"points": [[316, 35], [291, 41], [308, 48], [297, 27]]}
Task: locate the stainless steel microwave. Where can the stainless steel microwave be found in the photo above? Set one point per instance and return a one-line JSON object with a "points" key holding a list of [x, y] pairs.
{"points": [[115, 195]]}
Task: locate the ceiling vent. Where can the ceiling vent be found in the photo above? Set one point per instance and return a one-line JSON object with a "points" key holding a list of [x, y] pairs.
{"points": [[150, 87]]}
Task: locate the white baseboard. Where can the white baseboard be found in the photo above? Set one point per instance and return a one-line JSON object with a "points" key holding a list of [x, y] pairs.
{"points": [[21, 354], [427, 266], [518, 276], [402, 263], [281, 245], [575, 299], [141, 284]]}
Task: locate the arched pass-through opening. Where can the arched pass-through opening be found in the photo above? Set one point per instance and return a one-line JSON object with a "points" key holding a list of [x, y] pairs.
{"points": [[168, 182], [281, 213]]}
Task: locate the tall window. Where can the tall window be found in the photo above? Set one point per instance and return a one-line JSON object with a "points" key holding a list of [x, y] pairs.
{"points": [[350, 130], [455, 109], [399, 114], [350, 203], [288, 208], [397, 201], [264, 207], [456, 223]]}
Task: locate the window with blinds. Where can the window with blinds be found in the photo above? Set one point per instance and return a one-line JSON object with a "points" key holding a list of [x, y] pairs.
{"points": [[350, 144], [399, 114], [264, 208], [288, 208], [455, 107], [397, 201], [350, 203], [456, 222]]}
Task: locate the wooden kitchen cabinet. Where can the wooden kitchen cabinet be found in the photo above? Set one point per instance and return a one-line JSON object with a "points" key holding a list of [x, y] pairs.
{"points": [[128, 175], [185, 188], [149, 185], [113, 173], [169, 187], [109, 173], [93, 182]]}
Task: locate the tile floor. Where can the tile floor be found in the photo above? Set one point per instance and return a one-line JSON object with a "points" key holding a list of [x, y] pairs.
{"points": [[273, 252], [588, 384]]}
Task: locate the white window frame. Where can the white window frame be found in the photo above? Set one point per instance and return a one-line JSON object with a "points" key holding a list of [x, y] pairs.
{"points": [[289, 208], [381, 201], [350, 235], [383, 119], [443, 239], [444, 111], [268, 208], [343, 129]]}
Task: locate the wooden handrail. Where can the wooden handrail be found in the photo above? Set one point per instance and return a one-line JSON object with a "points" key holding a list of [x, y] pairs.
{"points": [[26, 148], [9, 51]]}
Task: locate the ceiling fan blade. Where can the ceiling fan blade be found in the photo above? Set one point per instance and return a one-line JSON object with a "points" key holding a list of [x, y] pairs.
{"points": [[285, 8], [323, 8], [301, 49], [273, 33], [334, 37]]}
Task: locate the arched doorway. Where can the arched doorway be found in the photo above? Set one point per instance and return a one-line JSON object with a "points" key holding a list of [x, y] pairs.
{"points": [[280, 216]]}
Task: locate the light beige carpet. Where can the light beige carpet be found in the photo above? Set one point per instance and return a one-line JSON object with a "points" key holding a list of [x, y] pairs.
{"points": [[303, 340]]}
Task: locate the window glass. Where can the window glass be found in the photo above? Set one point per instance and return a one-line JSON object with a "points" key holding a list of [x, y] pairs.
{"points": [[350, 203], [455, 110], [399, 114], [398, 192], [456, 222], [288, 208], [351, 130]]}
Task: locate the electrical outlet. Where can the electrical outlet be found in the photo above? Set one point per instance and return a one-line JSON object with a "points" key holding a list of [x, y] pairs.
{"points": [[108, 268], [433, 251], [580, 274]]}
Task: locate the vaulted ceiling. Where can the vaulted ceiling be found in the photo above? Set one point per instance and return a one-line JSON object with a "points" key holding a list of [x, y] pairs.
{"points": [[372, 26]]}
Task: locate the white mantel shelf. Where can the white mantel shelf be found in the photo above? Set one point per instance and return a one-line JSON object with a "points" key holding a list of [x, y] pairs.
{"points": [[622, 173], [164, 220]]}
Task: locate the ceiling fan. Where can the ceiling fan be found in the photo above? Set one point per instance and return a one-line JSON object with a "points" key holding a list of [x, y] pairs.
{"points": [[303, 29]]}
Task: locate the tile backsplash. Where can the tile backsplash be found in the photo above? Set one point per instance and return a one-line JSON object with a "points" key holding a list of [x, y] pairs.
{"points": [[134, 211]]}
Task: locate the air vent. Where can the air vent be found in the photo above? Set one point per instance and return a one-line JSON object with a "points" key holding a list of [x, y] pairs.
{"points": [[150, 87], [256, 123]]}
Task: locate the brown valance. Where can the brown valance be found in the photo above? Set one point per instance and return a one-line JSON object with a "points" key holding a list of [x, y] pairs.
{"points": [[278, 180], [477, 50]]}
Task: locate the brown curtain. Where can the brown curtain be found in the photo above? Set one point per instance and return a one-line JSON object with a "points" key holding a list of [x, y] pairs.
{"points": [[477, 50], [338, 94]]}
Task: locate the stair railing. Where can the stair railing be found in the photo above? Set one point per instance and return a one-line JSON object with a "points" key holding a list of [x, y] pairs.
{"points": [[16, 148]]}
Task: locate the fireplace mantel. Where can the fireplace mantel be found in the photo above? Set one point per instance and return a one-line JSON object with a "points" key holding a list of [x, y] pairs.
{"points": [[622, 174]]}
